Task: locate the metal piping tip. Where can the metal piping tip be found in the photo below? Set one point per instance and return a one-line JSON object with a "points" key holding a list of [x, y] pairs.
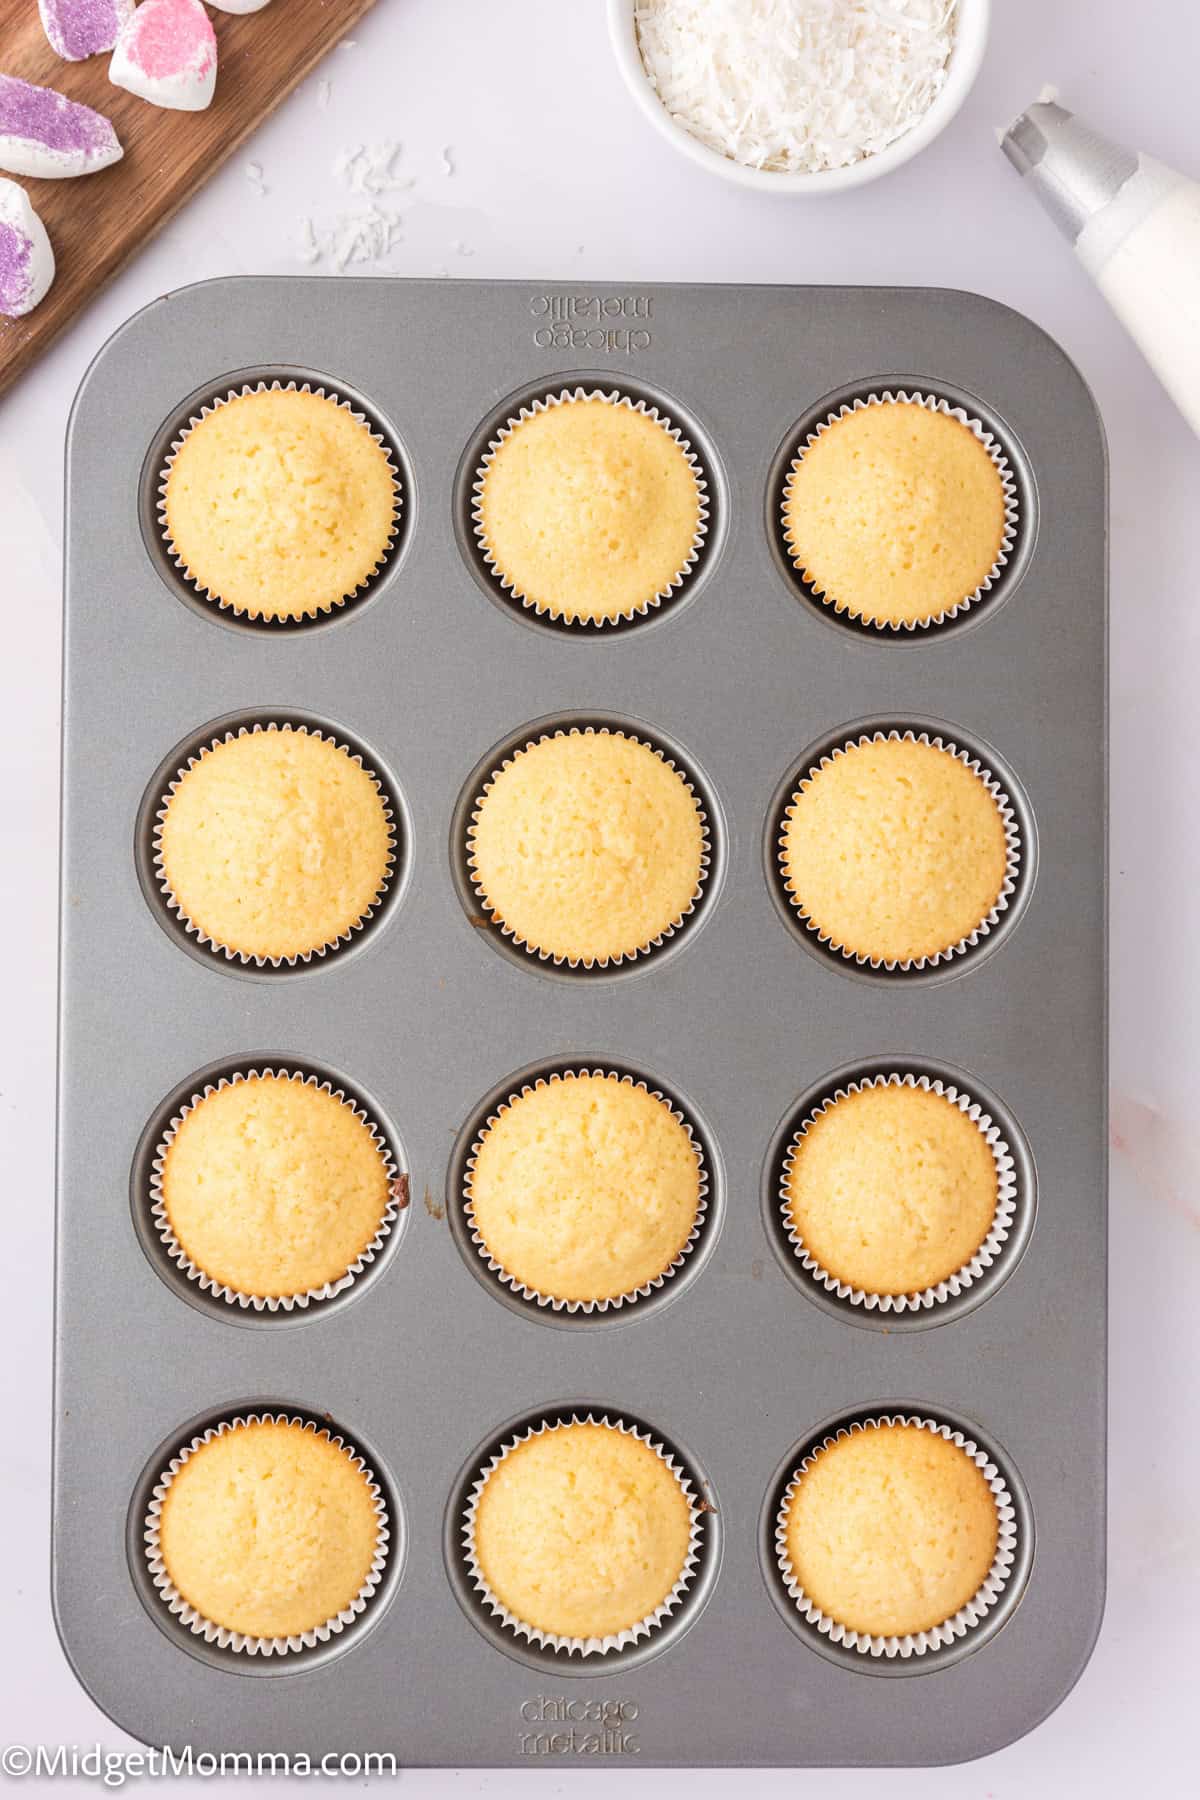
{"points": [[1028, 137], [1075, 171]]}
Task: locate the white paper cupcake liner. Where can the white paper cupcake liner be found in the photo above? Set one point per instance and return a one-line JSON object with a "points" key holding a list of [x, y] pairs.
{"points": [[285, 387], [613, 397], [1000, 462], [550, 1301], [245, 957], [618, 1640], [967, 1617], [1012, 840], [983, 1258], [622, 956], [397, 1190], [221, 1635]]}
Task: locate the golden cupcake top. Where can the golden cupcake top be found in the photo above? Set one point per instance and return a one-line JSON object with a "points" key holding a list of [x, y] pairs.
{"points": [[269, 1529], [582, 1531], [891, 1530], [273, 1186], [895, 513], [585, 1187], [280, 504], [894, 849], [589, 509], [587, 846], [891, 1188], [275, 843]]}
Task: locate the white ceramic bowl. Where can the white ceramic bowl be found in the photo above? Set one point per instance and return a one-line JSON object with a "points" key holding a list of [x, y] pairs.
{"points": [[965, 58]]}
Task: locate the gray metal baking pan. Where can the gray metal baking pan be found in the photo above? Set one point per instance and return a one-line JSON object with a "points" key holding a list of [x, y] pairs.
{"points": [[739, 1361]]}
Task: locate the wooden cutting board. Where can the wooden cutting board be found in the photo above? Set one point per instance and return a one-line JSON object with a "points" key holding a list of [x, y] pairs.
{"points": [[98, 222]]}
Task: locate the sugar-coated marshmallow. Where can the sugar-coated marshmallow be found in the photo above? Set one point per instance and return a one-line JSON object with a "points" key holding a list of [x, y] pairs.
{"points": [[43, 133], [167, 53], [26, 259], [80, 28]]}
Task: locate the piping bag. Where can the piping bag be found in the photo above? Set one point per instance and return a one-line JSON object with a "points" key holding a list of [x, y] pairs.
{"points": [[1135, 225]]}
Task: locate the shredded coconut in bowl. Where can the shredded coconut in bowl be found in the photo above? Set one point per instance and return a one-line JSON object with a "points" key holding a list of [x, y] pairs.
{"points": [[796, 85]]}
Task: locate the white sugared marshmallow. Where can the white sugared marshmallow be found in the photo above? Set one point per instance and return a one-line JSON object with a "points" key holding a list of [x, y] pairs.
{"points": [[43, 133], [81, 28], [167, 54], [26, 259], [239, 6]]}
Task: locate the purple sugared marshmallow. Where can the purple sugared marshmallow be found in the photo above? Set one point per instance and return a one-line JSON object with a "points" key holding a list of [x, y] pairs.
{"points": [[82, 28], [167, 53], [44, 133], [26, 259]]}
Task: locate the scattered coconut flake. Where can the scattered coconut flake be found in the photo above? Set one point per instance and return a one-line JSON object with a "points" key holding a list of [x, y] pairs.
{"points": [[366, 235], [254, 176], [309, 250], [347, 44], [797, 85], [371, 168], [324, 94], [448, 160]]}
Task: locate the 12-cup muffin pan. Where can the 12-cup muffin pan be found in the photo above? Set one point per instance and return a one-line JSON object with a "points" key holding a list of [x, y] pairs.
{"points": [[743, 1360]]}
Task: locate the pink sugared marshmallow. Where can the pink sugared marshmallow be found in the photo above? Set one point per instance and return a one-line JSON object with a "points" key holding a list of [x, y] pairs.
{"points": [[43, 133], [167, 53], [81, 28], [26, 259]]}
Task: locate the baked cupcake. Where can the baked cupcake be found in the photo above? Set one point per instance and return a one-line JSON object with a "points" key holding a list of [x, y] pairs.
{"points": [[589, 508], [267, 1535], [588, 847], [898, 512], [585, 1190], [893, 1533], [272, 1188], [274, 844], [581, 1535], [898, 850], [894, 1187], [279, 503]]}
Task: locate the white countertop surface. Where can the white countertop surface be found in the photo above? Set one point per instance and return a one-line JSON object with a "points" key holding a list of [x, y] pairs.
{"points": [[556, 175]]}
